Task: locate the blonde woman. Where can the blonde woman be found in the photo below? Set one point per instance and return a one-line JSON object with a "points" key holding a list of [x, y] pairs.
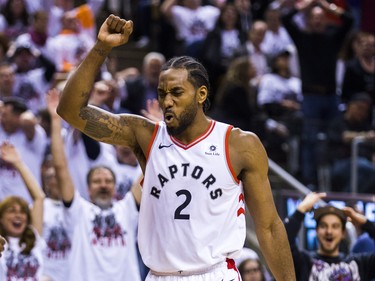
{"points": [[21, 225]]}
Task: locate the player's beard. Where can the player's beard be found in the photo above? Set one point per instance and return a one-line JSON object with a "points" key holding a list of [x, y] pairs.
{"points": [[185, 119]]}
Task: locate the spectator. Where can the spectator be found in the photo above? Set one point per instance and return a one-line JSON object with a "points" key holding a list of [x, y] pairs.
{"points": [[364, 243], [318, 47], [360, 70], [34, 73], [280, 98], [14, 18], [327, 263], [222, 44], [67, 48], [341, 132], [7, 80], [236, 100], [55, 232], [251, 269], [84, 13], [57, 252], [126, 169], [192, 21], [21, 226], [103, 232], [37, 34], [244, 10], [277, 38], [254, 49], [20, 128], [143, 87]]}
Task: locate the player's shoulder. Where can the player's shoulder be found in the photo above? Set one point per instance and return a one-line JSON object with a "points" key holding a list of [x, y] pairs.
{"points": [[245, 150], [240, 138]]}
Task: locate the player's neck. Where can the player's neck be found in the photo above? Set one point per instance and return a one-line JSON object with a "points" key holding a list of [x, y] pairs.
{"points": [[196, 129]]}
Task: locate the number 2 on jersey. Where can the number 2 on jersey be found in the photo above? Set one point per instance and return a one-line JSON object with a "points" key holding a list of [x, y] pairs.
{"points": [[178, 213]]}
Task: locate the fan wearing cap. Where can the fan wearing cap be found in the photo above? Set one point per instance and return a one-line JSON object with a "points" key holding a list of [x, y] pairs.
{"points": [[327, 262]]}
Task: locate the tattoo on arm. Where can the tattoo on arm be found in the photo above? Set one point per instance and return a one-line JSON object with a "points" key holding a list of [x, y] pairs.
{"points": [[100, 52], [85, 95], [100, 125]]}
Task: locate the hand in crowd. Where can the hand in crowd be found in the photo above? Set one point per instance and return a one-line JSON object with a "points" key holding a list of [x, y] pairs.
{"points": [[310, 200], [153, 111], [355, 217], [115, 31], [52, 99], [28, 119], [9, 154]]}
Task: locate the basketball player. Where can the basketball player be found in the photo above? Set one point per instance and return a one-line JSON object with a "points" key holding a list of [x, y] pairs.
{"points": [[197, 172]]}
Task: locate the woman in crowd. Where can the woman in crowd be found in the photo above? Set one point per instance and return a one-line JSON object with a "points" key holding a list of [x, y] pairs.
{"points": [[21, 226]]}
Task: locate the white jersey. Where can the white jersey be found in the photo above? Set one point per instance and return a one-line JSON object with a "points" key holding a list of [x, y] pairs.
{"points": [[192, 203], [103, 241]]}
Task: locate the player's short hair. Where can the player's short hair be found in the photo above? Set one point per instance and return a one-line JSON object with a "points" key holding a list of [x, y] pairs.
{"points": [[197, 73]]}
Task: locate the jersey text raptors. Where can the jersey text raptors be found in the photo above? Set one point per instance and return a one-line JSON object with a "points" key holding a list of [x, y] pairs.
{"points": [[192, 211]]}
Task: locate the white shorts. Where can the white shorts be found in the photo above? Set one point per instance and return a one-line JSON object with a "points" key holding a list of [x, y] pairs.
{"points": [[225, 271]]}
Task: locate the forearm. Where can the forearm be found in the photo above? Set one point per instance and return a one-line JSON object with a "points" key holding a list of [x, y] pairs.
{"points": [[30, 181], [76, 93], [64, 181], [166, 7], [274, 240], [369, 227], [36, 194]]}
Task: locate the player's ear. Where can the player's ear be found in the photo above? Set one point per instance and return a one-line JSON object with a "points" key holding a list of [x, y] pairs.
{"points": [[202, 94]]}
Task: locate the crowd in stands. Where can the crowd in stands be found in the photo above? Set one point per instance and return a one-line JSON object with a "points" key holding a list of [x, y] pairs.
{"points": [[295, 72]]}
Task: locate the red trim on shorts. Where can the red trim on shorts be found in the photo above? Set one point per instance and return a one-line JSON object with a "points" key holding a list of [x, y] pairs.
{"points": [[232, 265], [197, 140], [152, 140], [227, 154]]}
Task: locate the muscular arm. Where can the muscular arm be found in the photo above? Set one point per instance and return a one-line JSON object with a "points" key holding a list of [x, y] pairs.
{"points": [[127, 130], [249, 159]]}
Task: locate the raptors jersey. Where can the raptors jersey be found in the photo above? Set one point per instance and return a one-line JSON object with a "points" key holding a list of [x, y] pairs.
{"points": [[192, 211]]}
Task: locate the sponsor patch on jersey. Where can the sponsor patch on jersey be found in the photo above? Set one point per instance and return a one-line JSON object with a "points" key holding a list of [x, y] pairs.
{"points": [[212, 150]]}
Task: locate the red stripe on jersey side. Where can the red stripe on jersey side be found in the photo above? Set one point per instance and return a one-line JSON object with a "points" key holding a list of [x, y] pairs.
{"points": [[240, 211], [197, 140], [152, 140], [227, 154], [241, 198], [232, 265]]}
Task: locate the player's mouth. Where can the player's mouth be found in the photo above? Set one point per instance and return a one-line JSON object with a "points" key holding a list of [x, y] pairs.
{"points": [[169, 117]]}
